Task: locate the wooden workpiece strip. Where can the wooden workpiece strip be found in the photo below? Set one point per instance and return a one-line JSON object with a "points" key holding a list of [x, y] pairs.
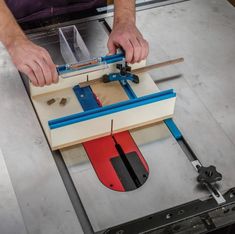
{"points": [[137, 71], [113, 92], [75, 77], [157, 65], [109, 93]]}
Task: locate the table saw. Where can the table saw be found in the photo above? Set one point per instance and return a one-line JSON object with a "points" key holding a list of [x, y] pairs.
{"points": [[173, 175]]}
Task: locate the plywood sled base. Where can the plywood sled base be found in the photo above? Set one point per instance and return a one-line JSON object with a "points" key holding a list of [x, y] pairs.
{"points": [[94, 128]]}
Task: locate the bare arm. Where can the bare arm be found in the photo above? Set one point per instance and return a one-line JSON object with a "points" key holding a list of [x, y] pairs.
{"points": [[9, 29], [124, 10], [29, 58], [125, 33]]}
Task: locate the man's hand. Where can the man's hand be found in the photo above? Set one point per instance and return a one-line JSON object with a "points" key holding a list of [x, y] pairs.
{"points": [[127, 36], [125, 33], [29, 58], [33, 61]]}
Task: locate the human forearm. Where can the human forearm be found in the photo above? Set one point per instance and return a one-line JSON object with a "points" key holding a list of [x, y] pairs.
{"points": [[29, 58], [10, 31], [124, 11], [125, 34]]}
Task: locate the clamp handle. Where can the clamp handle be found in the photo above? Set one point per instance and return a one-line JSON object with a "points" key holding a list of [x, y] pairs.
{"points": [[123, 69]]}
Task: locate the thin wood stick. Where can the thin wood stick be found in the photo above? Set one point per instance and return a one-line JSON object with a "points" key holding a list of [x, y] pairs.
{"points": [[139, 70], [158, 65]]}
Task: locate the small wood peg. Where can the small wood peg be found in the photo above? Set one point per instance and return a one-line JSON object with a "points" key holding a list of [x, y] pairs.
{"points": [[63, 101], [51, 101]]}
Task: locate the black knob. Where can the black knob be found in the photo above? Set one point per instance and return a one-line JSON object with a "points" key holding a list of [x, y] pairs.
{"points": [[208, 175], [136, 79], [119, 66], [128, 68]]}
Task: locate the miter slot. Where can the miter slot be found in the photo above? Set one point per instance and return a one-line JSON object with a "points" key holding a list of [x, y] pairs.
{"points": [[208, 176]]}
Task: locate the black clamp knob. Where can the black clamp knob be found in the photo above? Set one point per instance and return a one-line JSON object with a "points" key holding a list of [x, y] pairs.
{"points": [[136, 79], [208, 175], [123, 69]]}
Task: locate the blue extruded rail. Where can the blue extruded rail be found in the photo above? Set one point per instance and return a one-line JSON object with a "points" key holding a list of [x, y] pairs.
{"points": [[63, 69], [173, 128], [114, 108], [169, 122], [113, 58]]}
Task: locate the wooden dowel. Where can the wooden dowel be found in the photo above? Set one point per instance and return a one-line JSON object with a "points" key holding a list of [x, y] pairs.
{"points": [[158, 65], [139, 70]]}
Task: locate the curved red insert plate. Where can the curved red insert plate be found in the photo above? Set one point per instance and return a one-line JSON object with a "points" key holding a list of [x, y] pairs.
{"points": [[101, 150]]}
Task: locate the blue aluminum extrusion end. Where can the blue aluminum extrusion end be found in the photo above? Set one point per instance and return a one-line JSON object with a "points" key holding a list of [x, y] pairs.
{"points": [[173, 129], [118, 77], [113, 58], [169, 122], [128, 90], [62, 68], [86, 97]]}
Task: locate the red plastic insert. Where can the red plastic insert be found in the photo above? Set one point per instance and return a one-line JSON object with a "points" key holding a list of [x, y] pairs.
{"points": [[101, 150]]}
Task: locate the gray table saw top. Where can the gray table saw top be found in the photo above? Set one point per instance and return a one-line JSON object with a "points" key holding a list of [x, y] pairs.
{"points": [[203, 33], [31, 190], [195, 30]]}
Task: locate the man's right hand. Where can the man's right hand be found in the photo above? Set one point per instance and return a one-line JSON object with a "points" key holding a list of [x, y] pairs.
{"points": [[33, 61], [29, 58]]}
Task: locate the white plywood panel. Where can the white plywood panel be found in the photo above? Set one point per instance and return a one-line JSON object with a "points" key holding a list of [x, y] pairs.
{"points": [[145, 87], [101, 126], [48, 112]]}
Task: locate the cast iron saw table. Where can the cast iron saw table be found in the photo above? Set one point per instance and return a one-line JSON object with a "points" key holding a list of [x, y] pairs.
{"points": [[46, 192]]}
